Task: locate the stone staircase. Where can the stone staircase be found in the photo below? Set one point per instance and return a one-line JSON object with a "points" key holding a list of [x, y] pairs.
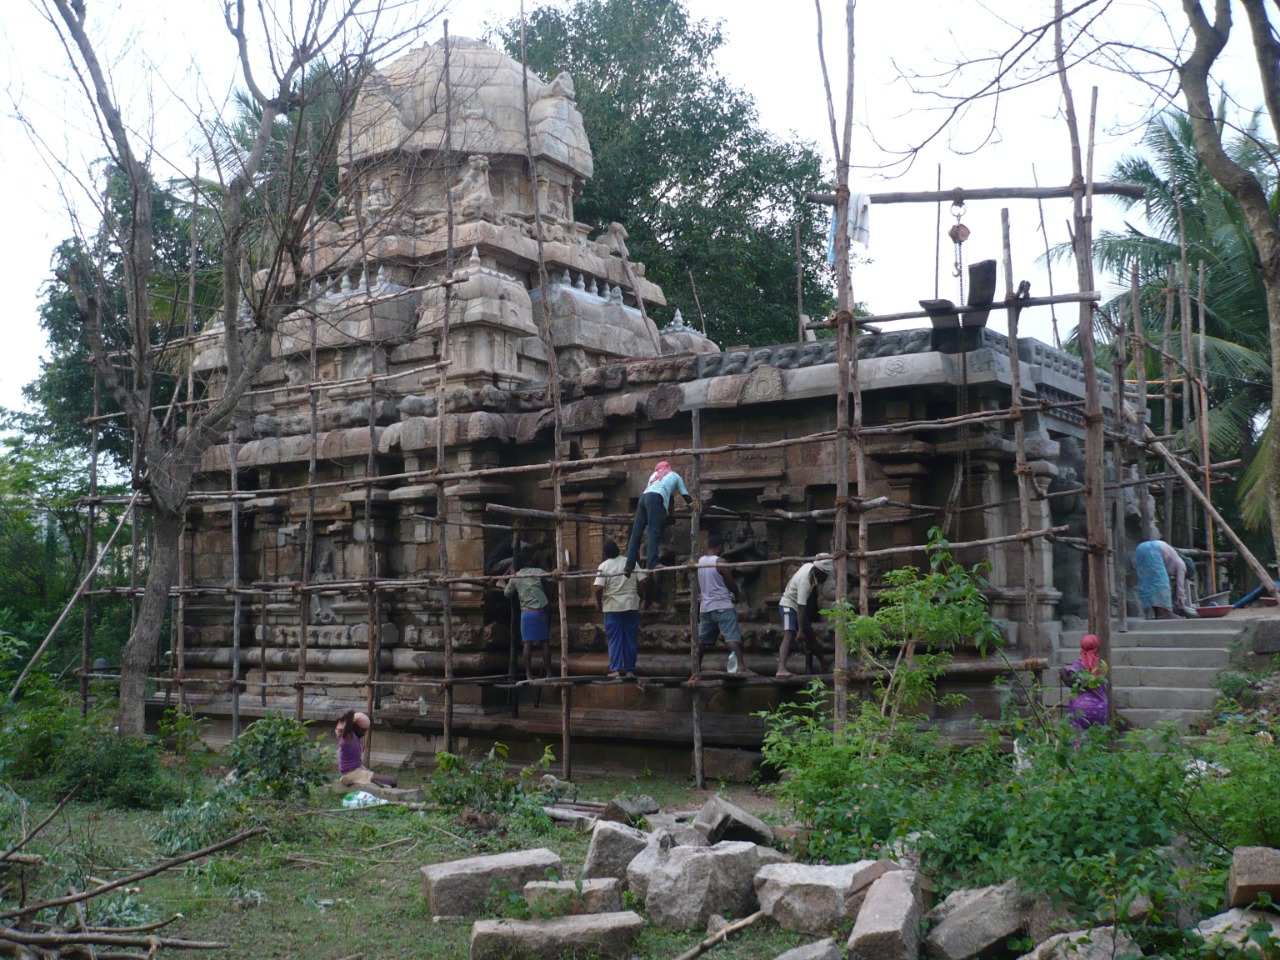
{"points": [[1162, 671]]}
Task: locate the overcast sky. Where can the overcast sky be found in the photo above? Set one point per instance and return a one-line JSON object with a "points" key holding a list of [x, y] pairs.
{"points": [[168, 56]]}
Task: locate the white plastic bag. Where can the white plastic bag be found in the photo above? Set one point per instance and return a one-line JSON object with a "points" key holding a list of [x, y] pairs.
{"points": [[360, 798]]}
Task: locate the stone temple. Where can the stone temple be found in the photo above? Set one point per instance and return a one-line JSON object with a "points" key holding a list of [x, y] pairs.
{"points": [[372, 328]]}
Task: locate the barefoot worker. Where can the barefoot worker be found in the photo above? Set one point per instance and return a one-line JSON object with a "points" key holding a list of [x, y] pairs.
{"points": [[350, 731], [1162, 581], [651, 512], [526, 585], [618, 598], [716, 616], [797, 607]]}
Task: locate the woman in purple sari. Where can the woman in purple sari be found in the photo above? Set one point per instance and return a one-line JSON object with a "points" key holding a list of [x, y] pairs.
{"points": [[1087, 678]]}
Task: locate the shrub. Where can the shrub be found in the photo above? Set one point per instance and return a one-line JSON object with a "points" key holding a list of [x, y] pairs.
{"points": [[37, 730], [485, 784], [277, 756], [120, 771]]}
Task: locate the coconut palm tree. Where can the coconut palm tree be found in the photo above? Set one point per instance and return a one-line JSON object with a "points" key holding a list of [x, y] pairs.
{"points": [[1185, 207]]}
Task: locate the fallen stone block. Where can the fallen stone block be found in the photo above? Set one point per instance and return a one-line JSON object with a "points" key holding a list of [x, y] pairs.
{"points": [[1232, 929], [572, 897], [888, 925], [613, 846], [1100, 943], [603, 935], [812, 899], [691, 883], [721, 820], [644, 863], [969, 922], [1254, 871], [686, 836], [629, 810], [820, 950], [461, 887], [863, 879]]}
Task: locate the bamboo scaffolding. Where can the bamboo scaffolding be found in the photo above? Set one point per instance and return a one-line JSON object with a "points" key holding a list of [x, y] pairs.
{"points": [[1023, 472], [1204, 431], [1135, 191], [237, 599], [1121, 562], [961, 311], [442, 556], [695, 522]]}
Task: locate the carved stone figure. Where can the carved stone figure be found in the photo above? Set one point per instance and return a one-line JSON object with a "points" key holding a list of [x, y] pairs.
{"points": [[613, 242], [472, 197]]}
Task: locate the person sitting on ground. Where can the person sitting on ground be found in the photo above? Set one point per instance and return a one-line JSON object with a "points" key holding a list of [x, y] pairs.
{"points": [[651, 513], [527, 586], [1087, 679], [797, 607], [716, 616], [1157, 564], [618, 598], [350, 731]]}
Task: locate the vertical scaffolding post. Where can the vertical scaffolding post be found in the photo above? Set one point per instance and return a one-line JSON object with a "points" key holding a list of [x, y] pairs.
{"points": [[90, 519], [1029, 552], [1188, 387], [1204, 436], [553, 388], [308, 536], [1118, 365], [442, 370], [1140, 362], [1166, 366], [237, 601], [371, 551], [695, 525]]}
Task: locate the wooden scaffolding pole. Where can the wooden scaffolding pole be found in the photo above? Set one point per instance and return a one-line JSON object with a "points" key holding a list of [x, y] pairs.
{"points": [[237, 601], [1023, 472], [695, 524], [1205, 457], [553, 388], [846, 371], [1121, 562], [1145, 505], [446, 598], [309, 533], [1166, 366], [372, 641]]}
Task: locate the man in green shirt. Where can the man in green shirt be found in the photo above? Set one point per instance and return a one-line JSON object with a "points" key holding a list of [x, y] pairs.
{"points": [[528, 588]]}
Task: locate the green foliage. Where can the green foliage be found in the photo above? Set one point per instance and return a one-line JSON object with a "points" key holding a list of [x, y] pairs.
{"points": [[682, 161], [36, 732], [276, 756], [118, 770], [485, 784], [922, 616], [1232, 784], [182, 727]]}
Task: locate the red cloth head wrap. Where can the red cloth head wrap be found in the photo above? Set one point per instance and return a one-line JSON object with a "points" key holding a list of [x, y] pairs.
{"points": [[1089, 652]]}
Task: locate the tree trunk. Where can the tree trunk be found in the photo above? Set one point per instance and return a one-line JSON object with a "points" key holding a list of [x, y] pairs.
{"points": [[140, 651]]}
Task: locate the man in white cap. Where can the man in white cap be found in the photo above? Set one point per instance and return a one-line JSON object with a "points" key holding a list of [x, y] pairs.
{"points": [[798, 600]]}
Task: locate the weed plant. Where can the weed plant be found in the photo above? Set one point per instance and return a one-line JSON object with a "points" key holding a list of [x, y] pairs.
{"points": [[278, 757]]}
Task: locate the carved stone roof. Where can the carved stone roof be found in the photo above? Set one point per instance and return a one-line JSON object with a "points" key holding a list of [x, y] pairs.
{"points": [[402, 108]]}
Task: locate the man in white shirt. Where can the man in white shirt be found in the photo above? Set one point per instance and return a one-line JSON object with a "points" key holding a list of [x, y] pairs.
{"points": [[618, 598], [800, 595]]}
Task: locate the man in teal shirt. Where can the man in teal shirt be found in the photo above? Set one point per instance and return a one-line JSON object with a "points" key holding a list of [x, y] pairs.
{"points": [[651, 512]]}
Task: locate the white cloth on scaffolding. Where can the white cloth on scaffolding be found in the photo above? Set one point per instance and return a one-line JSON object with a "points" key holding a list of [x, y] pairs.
{"points": [[859, 225]]}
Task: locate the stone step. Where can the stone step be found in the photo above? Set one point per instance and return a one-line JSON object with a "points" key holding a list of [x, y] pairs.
{"points": [[1156, 698], [1216, 657], [1189, 625], [1190, 638], [1205, 678], [1150, 718]]}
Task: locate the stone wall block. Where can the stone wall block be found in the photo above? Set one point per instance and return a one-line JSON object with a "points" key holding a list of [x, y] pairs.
{"points": [[1254, 871], [604, 935], [613, 847], [888, 925]]}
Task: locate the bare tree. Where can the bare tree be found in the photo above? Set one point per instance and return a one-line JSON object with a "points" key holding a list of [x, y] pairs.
{"points": [[258, 245]]}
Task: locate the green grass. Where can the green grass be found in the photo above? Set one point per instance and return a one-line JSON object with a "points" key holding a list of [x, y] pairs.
{"points": [[327, 883]]}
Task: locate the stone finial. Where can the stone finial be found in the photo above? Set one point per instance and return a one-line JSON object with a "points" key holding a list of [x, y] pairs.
{"points": [[593, 289], [346, 284], [677, 322], [566, 280], [364, 278], [579, 284], [474, 262]]}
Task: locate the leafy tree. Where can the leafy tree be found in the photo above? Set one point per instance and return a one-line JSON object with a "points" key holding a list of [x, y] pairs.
{"points": [[257, 252], [682, 161], [1183, 202]]}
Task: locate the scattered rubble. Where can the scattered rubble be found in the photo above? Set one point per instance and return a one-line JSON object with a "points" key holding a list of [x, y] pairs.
{"points": [[461, 887], [603, 895], [721, 820], [1100, 943], [888, 925], [968, 922], [819, 950], [1232, 929], [613, 846], [691, 883], [814, 899]]}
